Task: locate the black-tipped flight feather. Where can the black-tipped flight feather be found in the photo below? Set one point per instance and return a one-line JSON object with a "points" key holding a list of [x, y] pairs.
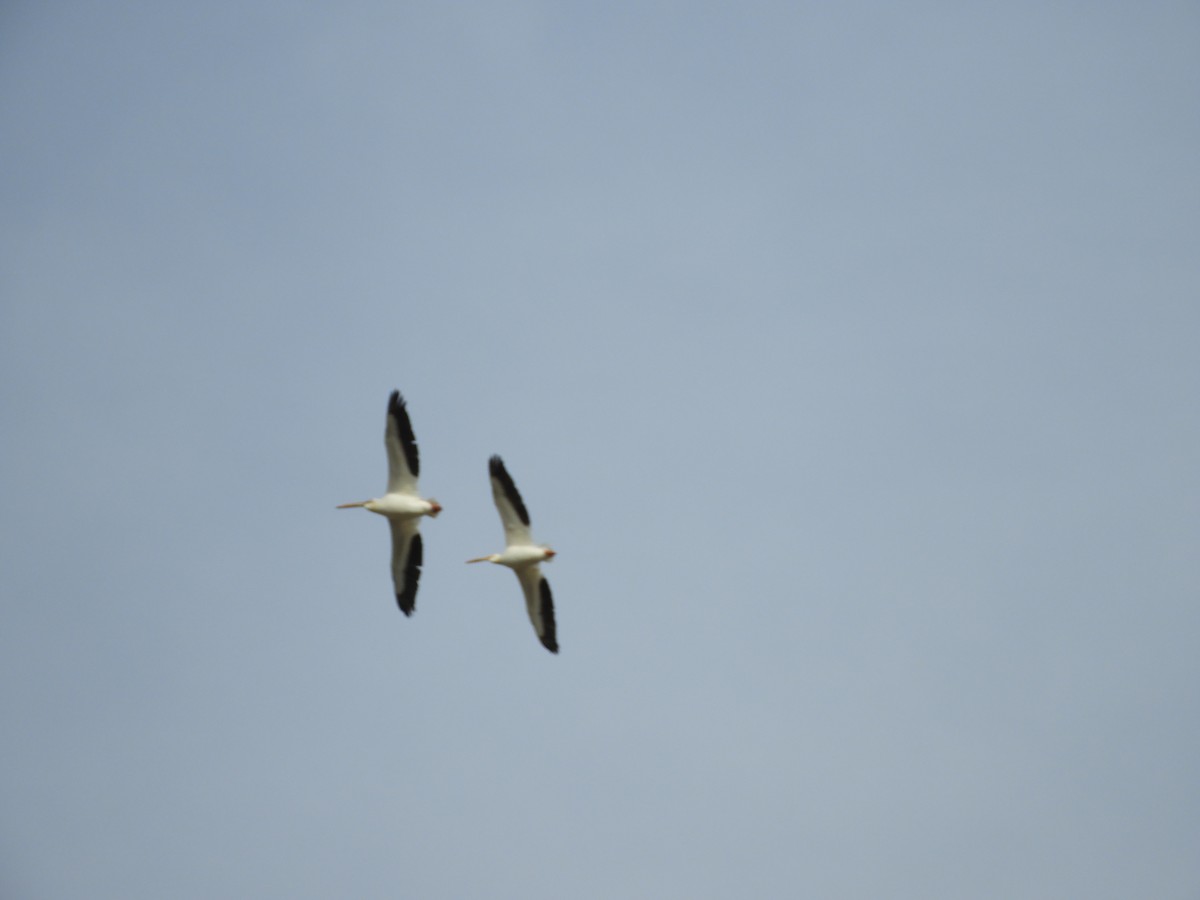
{"points": [[407, 556], [539, 603], [404, 459]]}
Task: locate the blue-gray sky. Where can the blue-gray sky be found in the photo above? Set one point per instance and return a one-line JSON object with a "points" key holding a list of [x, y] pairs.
{"points": [[847, 353]]}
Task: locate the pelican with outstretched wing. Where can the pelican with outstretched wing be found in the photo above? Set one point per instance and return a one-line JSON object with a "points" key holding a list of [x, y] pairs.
{"points": [[402, 505], [522, 555]]}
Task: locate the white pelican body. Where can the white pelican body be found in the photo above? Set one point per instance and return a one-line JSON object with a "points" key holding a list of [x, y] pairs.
{"points": [[522, 555], [402, 505], [396, 506]]}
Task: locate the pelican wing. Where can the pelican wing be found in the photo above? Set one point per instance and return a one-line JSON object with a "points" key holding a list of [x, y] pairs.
{"points": [[404, 462], [407, 556], [513, 513], [540, 605]]}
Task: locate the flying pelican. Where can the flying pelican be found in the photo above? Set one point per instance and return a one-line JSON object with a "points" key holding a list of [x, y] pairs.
{"points": [[402, 505], [522, 555]]}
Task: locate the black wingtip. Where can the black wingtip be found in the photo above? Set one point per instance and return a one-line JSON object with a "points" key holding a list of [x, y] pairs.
{"points": [[396, 404], [549, 635], [398, 410], [497, 471], [407, 599]]}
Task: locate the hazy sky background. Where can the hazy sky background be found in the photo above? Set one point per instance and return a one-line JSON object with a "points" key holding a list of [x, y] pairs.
{"points": [[847, 354]]}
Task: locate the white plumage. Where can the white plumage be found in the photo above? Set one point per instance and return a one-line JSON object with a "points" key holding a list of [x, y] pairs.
{"points": [[402, 504], [522, 555]]}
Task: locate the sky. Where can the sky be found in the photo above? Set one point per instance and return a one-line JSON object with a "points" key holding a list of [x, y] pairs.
{"points": [[846, 354]]}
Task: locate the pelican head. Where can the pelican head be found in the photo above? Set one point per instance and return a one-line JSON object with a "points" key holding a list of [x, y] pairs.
{"points": [[550, 554], [434, 508]]}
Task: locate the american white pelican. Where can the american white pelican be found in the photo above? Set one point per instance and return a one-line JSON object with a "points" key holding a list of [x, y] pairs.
{"points": [[522, 555], [402, 505]]}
